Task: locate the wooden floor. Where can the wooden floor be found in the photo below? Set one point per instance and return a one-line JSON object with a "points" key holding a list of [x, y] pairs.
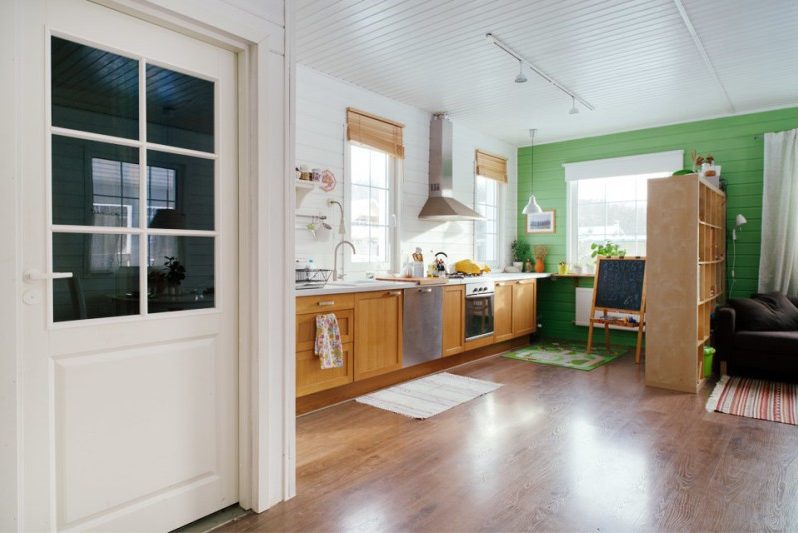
{"points": [[553, 450]]}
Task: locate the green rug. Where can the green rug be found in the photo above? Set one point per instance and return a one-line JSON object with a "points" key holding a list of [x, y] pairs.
{"points": [[567, 354]]}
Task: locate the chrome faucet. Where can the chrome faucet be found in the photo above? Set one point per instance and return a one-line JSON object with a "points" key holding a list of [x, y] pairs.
{"points": [[336, 276]]}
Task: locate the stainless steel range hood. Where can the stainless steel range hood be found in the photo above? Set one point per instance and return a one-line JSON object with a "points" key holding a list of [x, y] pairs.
{"points": [[441, 205]]}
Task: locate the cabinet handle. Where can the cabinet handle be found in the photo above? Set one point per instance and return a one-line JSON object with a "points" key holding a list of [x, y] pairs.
{"points": [[393, 293], [326, 304]]}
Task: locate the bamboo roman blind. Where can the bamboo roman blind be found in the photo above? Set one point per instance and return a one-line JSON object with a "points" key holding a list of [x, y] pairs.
{"points": [[491, 166], [377, 132]]}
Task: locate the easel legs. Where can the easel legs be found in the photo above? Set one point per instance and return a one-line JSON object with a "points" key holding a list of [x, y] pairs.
{"points": [[590, 337], [639, 343]]}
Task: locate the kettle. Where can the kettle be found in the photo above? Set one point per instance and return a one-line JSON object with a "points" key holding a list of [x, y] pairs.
{"points": [[440, 265]]}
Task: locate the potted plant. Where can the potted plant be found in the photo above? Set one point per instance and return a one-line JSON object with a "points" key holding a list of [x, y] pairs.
{"points": [[540, 254], [175, 274], [562, 268], [606, 249], [521, 252]]}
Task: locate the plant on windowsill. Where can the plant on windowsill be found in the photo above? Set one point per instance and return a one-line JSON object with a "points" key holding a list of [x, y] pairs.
{"points": [[605, 249], [540, 254], [521, 252], [175, 274]]}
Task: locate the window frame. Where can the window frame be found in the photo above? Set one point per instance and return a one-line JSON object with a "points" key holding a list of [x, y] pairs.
{"points": [[394, 191], [572, 203], [500, 191]]}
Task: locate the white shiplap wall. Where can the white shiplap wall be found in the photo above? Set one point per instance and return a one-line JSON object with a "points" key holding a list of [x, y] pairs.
{"points": [[321, 103]]}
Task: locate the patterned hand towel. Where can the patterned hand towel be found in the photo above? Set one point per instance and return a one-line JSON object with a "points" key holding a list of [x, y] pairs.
{"points": [[328, 342]]}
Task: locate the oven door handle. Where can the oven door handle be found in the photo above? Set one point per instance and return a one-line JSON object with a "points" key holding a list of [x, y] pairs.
{"points": [[483, 295]]}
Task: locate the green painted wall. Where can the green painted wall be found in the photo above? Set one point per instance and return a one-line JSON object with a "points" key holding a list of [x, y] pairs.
{"points": [[737, 144]]}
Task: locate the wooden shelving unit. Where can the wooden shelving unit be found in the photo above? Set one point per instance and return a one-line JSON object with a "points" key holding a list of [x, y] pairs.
{"points": [[686, 252]]}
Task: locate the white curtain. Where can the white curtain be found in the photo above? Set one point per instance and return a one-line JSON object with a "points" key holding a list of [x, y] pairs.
{"points": [[778, 263]]}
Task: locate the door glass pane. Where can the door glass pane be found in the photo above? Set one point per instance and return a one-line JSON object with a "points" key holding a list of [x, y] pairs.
{"points": [[94, 90], [180, 273], [94, 184], [105, 276], [179, 191], [179, 109]]}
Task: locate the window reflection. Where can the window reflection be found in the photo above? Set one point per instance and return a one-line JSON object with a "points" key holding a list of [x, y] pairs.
{"points": [[180, 273], [182, 191], [94, 90], [179, 109], [105, 276]]}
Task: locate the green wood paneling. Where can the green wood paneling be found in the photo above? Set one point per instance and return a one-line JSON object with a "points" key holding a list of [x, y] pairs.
{"points": [[737, 144]]}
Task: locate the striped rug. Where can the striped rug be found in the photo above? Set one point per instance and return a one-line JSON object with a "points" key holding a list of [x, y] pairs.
{"points": [[754, 398], [428, 396]]}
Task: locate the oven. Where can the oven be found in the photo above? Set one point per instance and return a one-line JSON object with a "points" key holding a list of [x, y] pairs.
{"points": [[478, 310]]}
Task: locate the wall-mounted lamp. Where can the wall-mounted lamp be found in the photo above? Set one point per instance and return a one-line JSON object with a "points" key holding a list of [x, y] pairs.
{"points": [[739, 221]]}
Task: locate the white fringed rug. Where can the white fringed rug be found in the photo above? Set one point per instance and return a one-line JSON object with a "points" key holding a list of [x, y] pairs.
{"points": [[428, 396]]}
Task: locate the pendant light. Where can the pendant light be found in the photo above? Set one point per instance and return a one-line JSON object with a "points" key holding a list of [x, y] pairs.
{"points": [[532, 207], [521, 78], [574, 110]]}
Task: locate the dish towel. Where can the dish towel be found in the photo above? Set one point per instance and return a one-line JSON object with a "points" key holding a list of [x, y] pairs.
{"points": [[328, 342]]}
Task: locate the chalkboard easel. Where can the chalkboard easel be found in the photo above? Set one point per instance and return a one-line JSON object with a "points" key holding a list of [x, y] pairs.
{"points": [[619, 286]]}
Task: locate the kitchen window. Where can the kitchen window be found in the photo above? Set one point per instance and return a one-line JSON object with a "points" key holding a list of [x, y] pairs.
{"points": [[491, 173], [372, 208], [607, 200], [487, 195]]}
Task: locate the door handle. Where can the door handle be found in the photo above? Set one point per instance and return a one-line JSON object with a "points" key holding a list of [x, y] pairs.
{"points": [[425, 290], [31, 276]]}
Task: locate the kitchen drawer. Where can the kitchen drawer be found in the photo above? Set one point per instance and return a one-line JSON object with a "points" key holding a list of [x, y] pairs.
{"points": [[311, 378], [323, 304], [306, 328]]}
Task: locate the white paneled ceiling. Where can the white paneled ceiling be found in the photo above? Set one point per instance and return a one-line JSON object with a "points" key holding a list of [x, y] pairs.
{"points": [[634, 60]]}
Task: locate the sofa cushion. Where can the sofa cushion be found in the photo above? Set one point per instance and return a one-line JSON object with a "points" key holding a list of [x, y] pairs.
{"points": [[772, 343], [765, 312]]}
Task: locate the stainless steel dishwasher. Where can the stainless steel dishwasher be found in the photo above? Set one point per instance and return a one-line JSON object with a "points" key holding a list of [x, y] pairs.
{"points": [[423, 325]]}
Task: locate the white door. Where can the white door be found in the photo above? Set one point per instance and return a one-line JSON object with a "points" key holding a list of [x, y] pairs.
{"points": [[130, 251]]}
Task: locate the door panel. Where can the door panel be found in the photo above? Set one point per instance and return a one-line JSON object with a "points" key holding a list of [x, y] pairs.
{"points": [[130, 365], [93, 437], [502, 311], [378, 333], [453, 320], [524, 319]]}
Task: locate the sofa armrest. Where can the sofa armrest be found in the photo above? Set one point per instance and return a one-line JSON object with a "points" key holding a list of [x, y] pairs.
{"points": [[725, 318]]}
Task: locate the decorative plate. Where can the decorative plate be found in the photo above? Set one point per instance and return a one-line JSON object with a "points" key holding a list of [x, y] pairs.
{"points": [[327, 181]]}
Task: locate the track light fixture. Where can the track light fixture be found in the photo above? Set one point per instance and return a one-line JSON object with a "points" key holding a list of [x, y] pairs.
{"points": [[574, 110], [521, 78]]}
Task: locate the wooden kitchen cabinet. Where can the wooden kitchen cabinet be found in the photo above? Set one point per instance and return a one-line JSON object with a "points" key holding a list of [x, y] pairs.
{"points": [[311, 378], [306, 328], [524, 307], [378, 333], [503, 311], [453, 320]]}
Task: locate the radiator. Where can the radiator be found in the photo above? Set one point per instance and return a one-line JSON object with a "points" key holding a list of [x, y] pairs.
{"points": [[584, 301]]}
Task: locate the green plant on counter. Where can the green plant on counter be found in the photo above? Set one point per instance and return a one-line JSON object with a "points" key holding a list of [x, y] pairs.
{"points": [[607, 249], [521, 250]]}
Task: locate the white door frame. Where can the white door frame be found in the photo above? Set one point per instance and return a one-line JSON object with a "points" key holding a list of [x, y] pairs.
{"points": [[267, 459]]}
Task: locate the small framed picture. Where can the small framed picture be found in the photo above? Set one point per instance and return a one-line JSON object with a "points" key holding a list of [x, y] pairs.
{"points": [[544, 222]]}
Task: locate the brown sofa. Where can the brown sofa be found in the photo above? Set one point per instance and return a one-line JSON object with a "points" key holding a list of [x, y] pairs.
{"points": [[758, 336]]}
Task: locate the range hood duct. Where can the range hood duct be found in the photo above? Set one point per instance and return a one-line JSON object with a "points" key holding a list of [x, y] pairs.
{"points": [[441, 205]]}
